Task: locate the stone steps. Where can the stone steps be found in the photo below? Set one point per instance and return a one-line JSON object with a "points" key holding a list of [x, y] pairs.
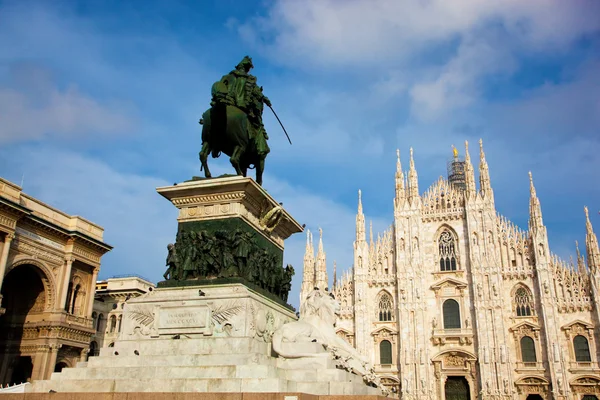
{"points": [[215, 385], [188, 360], [166, 347], [166, 373], [163, 385]]}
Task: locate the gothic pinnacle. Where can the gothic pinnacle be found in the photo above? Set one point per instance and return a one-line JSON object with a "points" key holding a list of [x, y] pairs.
{"points": [[484, 172], [469, 173], [535, 210], [413, 180], [360, 220], [591, 244], [399, 181]]}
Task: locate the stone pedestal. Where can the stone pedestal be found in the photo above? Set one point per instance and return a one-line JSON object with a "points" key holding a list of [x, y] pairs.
{"points": [[230, 230], [212, 331]]}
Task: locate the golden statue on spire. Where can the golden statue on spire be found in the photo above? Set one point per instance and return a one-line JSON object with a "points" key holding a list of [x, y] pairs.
{"points": [[455, 151]]}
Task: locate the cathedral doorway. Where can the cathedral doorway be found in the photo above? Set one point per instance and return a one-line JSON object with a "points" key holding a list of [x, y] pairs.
{"points": [[457, 388], [534, 397]]}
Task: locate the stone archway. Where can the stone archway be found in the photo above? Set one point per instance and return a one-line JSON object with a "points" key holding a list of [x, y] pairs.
{"points": [[59, 366], [534, 397], [24, 293], [534, 387], [457, 388], [456, 368], [25, 298]]}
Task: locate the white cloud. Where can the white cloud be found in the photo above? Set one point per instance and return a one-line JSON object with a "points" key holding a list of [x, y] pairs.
{"points": [[332, 32], [32, 106], [443, 48], [137, 221]]}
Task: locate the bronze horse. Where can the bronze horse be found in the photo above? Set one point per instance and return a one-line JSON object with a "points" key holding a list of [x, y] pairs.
{"points": [[226, 129]]}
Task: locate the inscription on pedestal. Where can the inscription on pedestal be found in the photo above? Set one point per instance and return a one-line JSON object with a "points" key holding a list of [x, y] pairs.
{"points": [[186, 319]]}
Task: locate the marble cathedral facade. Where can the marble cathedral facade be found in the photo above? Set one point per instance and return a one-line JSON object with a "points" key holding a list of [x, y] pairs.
{"points": [[454, 301]]}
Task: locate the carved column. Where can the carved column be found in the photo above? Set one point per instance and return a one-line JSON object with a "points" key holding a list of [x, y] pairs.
{"points": [[92, 290], [52, 356], [65, 283], [83, 355], [4, 257]]}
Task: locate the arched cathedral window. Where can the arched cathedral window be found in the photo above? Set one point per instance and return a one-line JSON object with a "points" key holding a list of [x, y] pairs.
{"points": [[528, 350], [451, 312], [385, 307], [385, 352], [523, 302], [447, 249], [582, 349]]}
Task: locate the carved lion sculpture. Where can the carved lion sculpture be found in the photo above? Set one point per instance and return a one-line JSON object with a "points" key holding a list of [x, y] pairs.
{"points": [[316, 324]]}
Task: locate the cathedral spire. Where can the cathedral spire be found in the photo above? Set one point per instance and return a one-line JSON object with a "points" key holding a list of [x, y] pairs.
{"points": [[469, 173], [360, 220], [484, 172], [400, 190], [308, 275], [591, 244], [535, 210], [371, 243], [334, 274], [321, 280], [413, 180], [580, 259]]}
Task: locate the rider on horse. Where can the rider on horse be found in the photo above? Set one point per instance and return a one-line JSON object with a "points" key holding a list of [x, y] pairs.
{"points": [[239, 89]]}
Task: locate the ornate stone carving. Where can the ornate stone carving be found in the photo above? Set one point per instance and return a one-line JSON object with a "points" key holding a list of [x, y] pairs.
{"points": [[143, 318]]}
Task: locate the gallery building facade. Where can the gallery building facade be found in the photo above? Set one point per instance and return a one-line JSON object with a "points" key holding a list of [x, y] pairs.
{"points": [[49, 263], [107, 313], [454, 301]]}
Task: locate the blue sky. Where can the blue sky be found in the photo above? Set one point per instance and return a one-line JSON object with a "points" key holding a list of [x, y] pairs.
{"points": [[99, 103]]}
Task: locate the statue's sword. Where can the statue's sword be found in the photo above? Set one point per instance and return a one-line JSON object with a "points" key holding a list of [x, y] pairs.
{"points": [[282, 127]]}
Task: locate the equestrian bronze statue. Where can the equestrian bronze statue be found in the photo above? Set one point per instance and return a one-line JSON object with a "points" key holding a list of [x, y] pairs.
{"points": [[233, 124]]}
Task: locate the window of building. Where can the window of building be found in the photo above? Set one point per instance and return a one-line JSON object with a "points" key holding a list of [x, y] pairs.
{"points": [[69, 294], [451, 314], [385, 307], [447, 249], [385, 352], [120, 322], [523, 302], [113, 323], [99, 325], [582, 349], [528, 350]]}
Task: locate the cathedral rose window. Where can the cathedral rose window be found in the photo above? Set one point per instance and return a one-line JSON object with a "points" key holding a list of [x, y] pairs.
{"points": [[447, 248]]}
